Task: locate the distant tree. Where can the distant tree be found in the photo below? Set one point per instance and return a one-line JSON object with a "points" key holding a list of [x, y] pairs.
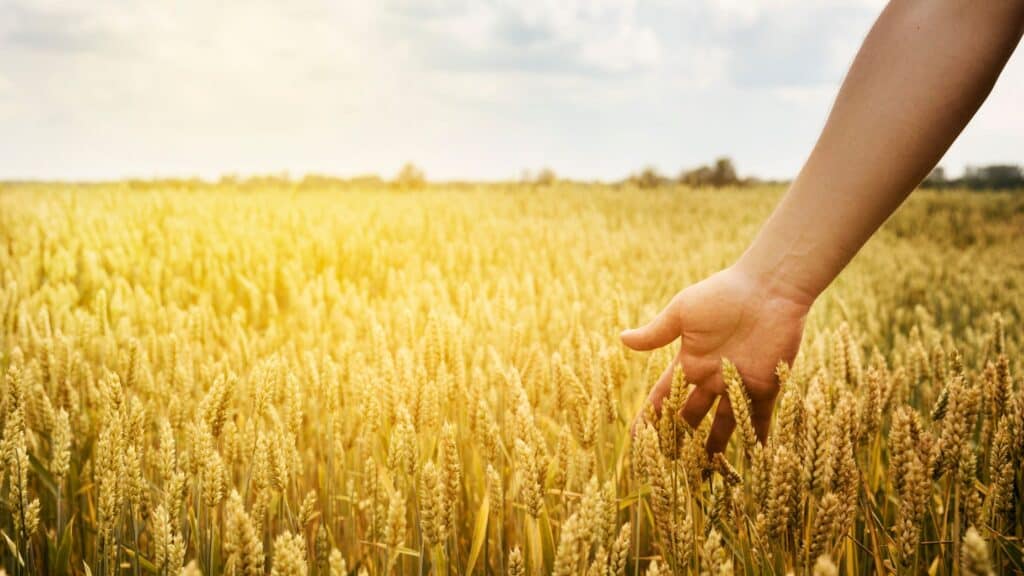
{"points": [[722, 173], [546, 177], [936, 178], [410, 177], [994, 177], [699, 177], [649, 177]]}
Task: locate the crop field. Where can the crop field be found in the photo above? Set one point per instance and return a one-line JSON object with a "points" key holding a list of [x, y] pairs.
{"points": [[291, 379]]}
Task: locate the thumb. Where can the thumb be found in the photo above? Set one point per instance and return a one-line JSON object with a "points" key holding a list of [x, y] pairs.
{"points": [[666, 327]]}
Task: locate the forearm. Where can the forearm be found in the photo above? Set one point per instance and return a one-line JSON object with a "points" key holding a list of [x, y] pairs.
{"points": [[921, 74]]}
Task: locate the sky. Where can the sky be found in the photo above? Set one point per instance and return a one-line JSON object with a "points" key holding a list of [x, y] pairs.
{"points": [[482, 89]]}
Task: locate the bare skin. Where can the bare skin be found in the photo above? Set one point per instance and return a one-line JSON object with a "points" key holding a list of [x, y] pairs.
{"points": [[922, 72]]}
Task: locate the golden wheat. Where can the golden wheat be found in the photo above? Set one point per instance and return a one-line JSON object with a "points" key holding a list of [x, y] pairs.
{"points": [[261, 377]]}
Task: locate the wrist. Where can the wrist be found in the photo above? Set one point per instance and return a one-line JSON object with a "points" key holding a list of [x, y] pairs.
{"points": [[777, 280]]}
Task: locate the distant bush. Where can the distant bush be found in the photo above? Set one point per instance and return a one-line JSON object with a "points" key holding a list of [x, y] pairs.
{"points": [[546, 177], [327, 182], [365, 180], [410, 177], [649, 177], [721, 173]]}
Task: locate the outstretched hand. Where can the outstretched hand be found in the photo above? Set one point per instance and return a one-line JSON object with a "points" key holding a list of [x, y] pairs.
{"points": [[728, 315]]}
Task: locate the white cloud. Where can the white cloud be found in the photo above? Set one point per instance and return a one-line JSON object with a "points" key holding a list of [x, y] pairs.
{"points": [[625, 48], [606, 32], [538, 35], [806, 95], [467, 88]]}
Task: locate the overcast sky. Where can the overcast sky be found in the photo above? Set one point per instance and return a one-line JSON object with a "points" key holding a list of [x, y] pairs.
{"points": [[465, 89]]}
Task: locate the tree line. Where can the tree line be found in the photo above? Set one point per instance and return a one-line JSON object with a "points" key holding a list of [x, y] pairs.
{"points": [[721, 173], [991, 177]]}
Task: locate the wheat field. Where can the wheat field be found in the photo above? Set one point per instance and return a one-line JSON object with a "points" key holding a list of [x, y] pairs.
{"points": [[278, 377]]}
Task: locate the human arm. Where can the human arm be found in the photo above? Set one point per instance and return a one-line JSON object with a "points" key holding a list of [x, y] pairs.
{"points": [[921, 74]]}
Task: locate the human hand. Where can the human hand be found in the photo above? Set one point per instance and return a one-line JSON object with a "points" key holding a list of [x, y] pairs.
{"points": [[729, 315]]}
